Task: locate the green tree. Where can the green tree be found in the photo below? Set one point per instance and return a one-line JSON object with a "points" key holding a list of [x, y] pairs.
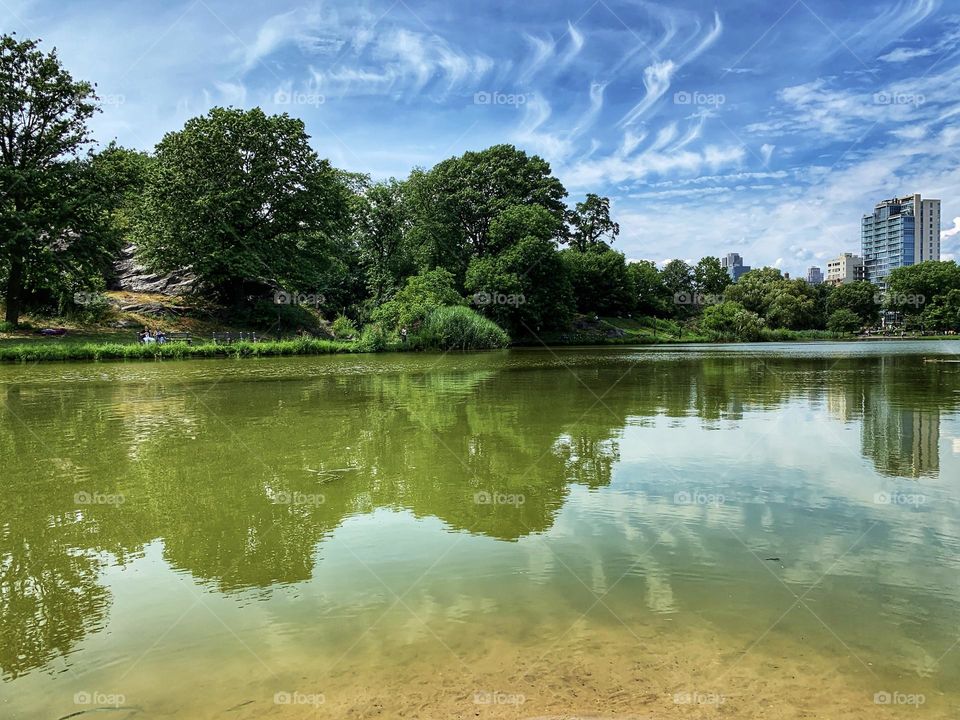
{"points": [[601, 283], [709, 277], [524, 289], [242, 198], [650, 294], [843, 320], [677, 277], [590, 223], [753, 290], [911, 288], [420, 295], [860, 298], [943, 313], [381, 220], [731, 321], [43, 125], [455, 203]]}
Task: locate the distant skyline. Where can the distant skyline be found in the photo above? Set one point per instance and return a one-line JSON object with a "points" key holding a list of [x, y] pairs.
{"points": [[762, 128]]}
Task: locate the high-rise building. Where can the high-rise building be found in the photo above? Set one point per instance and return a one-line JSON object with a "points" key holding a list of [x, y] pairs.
{"points": [[844, 269], [734, 266], [815, 276], [899, 232]]}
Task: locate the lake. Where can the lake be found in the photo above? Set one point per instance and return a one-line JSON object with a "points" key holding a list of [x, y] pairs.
{"points": [[699, 531]]}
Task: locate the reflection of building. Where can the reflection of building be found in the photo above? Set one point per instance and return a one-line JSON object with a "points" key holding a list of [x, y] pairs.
{"points": [[899, 232], [901, 441], [734, 266], [815, 276], [844, 269]]}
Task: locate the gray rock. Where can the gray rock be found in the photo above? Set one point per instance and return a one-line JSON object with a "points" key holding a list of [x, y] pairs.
{"points": [[131, 276]]}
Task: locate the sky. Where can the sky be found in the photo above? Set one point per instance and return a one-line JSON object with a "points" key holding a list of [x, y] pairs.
{"points": [[763, 127]]}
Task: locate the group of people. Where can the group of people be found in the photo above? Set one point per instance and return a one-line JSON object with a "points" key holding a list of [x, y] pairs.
{"points": [[147, 336]]}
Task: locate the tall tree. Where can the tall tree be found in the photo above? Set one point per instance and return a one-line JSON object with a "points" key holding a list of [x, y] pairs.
{"points": [[709, 277], [43, 125], [380, 227], [590, 223], [460, 197], [242, 198]]}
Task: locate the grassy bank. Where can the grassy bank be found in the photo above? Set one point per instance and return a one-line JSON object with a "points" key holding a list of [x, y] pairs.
{"points": [[58, 351]]}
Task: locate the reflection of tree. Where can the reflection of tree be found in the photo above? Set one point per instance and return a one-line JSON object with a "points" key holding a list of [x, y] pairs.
{"points": [[242, 479]]}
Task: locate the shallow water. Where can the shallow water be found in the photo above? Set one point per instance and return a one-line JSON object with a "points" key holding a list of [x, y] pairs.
{"points": [[748, 530]]}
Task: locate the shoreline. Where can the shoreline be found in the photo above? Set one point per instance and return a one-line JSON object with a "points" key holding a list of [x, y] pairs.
{"points": [[55, 351]]}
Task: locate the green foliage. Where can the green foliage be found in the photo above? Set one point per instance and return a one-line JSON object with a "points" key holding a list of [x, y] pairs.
{"points": [[38, 352], [590, 222], [460, 328], [381, 220], [600, 281], [651, 296], [731, 321], [677, 278], [943, 313], [455, 203], [844, 321], [241, 196], [860, 298], [421, 294], [526, 288], [44, 213], [343, 328], [923, 289], [6, 327], [373, 338], [709, 277]]}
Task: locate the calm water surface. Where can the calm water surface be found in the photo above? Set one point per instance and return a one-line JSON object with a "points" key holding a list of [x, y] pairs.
{"points": [[743, 531]]}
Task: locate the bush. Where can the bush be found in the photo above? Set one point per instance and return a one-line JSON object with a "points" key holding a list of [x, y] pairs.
{"points": [[731, 321], [343, 328], [374, 338], [460, 328], [844, 321], [7, 326]]}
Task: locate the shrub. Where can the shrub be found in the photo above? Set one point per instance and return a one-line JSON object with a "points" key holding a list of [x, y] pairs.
{"points": [[373, 338], [6, 326], [343, 328], [844, 321], [460, 328], [731, 321]]}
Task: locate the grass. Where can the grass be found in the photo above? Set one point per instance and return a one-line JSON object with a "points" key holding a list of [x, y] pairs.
{"points": [[41, 352], [460, 328]]}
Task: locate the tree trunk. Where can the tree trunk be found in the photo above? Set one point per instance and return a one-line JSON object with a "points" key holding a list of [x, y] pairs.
{"points": [[14, 289]]}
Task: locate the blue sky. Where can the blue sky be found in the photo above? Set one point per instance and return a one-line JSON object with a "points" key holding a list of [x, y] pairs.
{"points": [[764, 127]]}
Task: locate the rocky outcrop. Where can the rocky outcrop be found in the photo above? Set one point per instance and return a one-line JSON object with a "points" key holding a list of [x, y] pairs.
{"points": [[131, 276]]}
